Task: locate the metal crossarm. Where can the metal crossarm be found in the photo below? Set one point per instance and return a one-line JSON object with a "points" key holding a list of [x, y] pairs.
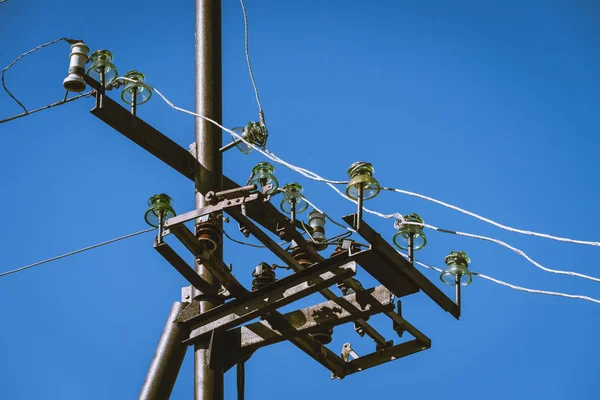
{"points": [[267, 299], [356, 305], [395, 266]]}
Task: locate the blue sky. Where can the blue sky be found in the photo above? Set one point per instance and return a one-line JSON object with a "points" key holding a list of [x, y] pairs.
{"points": [[491, 106]]}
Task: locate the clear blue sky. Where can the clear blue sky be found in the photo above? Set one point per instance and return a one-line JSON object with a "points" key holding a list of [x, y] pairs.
{"points": [[492, 106]]}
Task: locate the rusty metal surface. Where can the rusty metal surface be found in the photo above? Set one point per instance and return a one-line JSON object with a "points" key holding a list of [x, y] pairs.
{"points": [[267, 299], [385, 356], [362, 304], [183, 268], [396, 266]]}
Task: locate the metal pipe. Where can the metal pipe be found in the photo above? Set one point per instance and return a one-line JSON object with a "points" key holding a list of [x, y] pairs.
{"points": [[457, 287], [102, 76], [241, 380], [134, 101], [159, 238], [100, 97], [293, 210], [411, 248], [167, 360], [208, 382], [359, 203], [229, 145]]}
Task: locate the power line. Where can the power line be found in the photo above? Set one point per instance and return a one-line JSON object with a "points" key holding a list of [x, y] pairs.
{"points": [[515, 287], [261, 114], [506, 245], [75, 252], [314, 176], [259, 246], [23, 55], [58, 103], [489, 221]]}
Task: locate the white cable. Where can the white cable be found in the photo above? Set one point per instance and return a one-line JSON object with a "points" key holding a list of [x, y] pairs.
{"points": [[506, 245], [535, 291], [515, 287], [489, 221], [260, 109], [266, 153], [330, 183]]}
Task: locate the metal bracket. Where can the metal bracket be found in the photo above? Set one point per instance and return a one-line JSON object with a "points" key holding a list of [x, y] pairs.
{"points": [[269, 298]]}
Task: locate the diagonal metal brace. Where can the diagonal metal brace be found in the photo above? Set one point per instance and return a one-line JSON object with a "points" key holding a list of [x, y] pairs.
{"points": [[396, 267], [306, 320], [269, 298]]}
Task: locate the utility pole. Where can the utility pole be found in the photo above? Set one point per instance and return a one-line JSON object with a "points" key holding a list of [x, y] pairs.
{"points": [[216, 310], [208, 379]]}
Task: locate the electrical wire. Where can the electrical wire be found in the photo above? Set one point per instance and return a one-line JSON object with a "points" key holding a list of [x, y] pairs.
{"points": [[330, 183], [261, 114], [23, 55], [515, 287], [506, 245], [489, 221], [327, 216], [76, 252], [244, 243], [58, 103]]}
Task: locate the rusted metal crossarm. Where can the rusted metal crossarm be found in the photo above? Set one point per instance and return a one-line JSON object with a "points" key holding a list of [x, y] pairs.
{"points": [[380, 269], [310, 346], [183, 268], [276, 291], [214, 265], [265, 300], [396, 264], [295, 265], [165, 149], [408, 327], [220, 206], [385, 355], [310, 319]]}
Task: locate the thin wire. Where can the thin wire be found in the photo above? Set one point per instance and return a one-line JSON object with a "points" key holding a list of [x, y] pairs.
{"points": [[17, 59], [331, 183], [58, 103], [244, 243], [515, 287], [260, 109], [327, 216], [489, 221], [75, 252], [266, 153], [506, 245]]}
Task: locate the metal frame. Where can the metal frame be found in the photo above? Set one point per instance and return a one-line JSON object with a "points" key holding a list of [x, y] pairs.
{"points": [[222, 326]]}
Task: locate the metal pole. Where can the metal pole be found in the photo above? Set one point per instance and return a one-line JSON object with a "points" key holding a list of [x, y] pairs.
{"points": [[208, 380], [241, 380], [411, 248], [293, 210], [167, 360], [457, 284], [359, 204]]}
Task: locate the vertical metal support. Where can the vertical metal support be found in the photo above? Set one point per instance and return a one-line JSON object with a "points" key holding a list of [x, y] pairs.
{"points": [[208, 382], [457, 286], [359, 209], [134, 101], [167, 360], [241, 380], [102, 76], [411, 248], [293, 211], [159, 236]]}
